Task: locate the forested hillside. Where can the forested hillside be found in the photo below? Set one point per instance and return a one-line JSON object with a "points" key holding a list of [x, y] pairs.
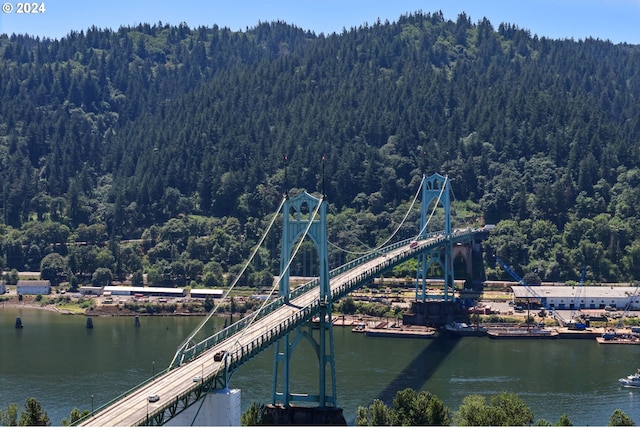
{"points": [[179, 136]]}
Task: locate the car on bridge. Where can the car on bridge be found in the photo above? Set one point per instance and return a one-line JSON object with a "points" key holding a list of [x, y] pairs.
{"points": [[219, 355], [154, 398]]}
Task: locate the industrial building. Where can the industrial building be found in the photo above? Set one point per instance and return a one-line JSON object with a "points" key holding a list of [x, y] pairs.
{"points": [[206, 293], [150, 291], [579, 297], [33, 287]]}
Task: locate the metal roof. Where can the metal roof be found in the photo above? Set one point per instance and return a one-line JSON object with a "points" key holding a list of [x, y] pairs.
{"points": [[142, 289], [573, 291], [200, 291], [33, 283]]}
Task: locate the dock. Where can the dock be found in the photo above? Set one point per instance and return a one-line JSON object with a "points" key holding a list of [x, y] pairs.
{"points": [[383, 327], [391, 328]]}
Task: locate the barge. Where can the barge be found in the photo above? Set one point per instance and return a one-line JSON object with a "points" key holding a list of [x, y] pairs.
{"points": [[615, 338], [402, 332], [522, 333]]}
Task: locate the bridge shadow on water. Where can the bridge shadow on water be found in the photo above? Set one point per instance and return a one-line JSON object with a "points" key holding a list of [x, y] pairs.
{"points": [[421, 368]]}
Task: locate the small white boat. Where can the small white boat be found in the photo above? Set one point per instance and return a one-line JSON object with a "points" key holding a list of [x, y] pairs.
{"points": [[631, 380]]}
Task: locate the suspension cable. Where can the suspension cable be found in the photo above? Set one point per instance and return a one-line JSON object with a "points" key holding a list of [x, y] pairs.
{"points": [[286, 268], [460, 219], [226, 294], [413, 202], [435, 205], [354, 237]]}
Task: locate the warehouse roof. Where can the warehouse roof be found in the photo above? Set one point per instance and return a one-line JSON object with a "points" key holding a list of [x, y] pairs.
{"points": [[33, 283], [142, 289], [573, 291], [207, 292]]}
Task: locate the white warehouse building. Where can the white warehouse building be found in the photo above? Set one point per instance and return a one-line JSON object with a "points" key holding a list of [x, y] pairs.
{"points": [[579, 297], [33, 287]]}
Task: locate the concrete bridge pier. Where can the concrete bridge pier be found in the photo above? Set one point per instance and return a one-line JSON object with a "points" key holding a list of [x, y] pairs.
{"points": [[220, 407]]}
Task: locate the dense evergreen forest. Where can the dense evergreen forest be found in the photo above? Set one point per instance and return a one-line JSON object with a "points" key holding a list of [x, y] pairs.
{"points": [[165, 150]]}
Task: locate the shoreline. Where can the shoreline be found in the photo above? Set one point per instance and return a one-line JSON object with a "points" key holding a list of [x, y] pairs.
{"points": [[22, 304], [338, 320], [99, 310]]}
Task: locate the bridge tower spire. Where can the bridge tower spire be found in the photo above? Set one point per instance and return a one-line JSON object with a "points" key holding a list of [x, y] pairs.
{"points": [[306, 214], [436, 187]]}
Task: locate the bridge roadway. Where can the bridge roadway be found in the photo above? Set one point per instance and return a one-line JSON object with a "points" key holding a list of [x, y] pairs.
{"points": [[176, 387]]}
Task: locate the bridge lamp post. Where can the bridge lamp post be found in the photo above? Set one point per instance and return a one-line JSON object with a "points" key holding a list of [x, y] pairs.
{"points": [[92, 404], [153, 368]]}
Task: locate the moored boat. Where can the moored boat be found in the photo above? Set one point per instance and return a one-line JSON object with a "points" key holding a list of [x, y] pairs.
{"points": [[360, 327], [464, 329]]}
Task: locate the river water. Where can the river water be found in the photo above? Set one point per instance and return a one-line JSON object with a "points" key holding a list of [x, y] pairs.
{"points": [[64, 365]]}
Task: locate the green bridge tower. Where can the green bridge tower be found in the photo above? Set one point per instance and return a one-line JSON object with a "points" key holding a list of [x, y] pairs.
{"points": [[438, 188], [305, 214]]}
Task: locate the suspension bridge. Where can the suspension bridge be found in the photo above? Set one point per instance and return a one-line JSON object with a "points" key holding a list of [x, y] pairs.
{"points": [[203, 366]]}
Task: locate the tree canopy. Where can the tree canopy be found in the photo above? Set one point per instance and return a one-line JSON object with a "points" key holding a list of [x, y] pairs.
{"points": [[106, 134]]}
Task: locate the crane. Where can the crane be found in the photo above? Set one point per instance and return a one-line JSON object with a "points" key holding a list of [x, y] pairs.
{"points": [[510, 271], [517, 278], [627, 307]]}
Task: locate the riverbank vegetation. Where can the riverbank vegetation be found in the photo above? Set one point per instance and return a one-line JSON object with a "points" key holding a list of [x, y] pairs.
{"points": [[411, 408], [538, 136]]}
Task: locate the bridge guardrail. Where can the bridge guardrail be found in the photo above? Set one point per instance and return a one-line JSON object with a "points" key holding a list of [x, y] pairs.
{"points": [[190, 353]]}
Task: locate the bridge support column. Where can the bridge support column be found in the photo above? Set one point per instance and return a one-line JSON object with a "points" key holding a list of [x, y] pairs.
{"points": [[220, 407]]}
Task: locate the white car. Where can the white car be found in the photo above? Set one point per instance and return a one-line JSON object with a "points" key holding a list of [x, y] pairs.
{"points": [[154, 398], [197, 379]]}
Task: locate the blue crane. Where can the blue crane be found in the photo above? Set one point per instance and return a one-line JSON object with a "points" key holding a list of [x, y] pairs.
{"points": [[582, 275], [513, 274], [510, 271]]}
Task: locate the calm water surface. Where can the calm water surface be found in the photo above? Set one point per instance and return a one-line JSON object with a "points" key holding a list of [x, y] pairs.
{"points": [[56, 360]]}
